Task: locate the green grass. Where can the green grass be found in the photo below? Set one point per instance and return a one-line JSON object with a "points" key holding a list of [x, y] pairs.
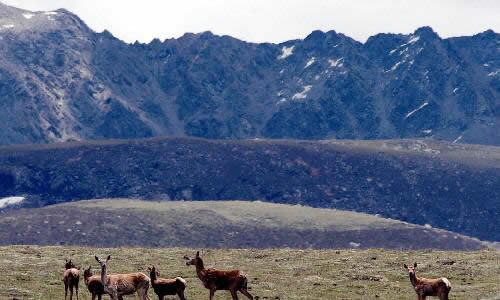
{"points": [[216, 224], [31, 272]]}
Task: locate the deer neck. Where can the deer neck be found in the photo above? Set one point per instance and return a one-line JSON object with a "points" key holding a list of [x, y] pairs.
{"points": [[200, 269], [104, 276], [153, 278], [414, 279]]}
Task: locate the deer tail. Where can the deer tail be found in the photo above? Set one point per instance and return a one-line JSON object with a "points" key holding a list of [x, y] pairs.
{"points": [[181, 280]]}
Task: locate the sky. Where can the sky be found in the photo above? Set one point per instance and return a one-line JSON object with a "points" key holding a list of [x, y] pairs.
{"points": [[275, 20]]}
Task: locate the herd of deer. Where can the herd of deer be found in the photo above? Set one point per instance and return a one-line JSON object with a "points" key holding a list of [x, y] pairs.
{"points": [[119, 285]]}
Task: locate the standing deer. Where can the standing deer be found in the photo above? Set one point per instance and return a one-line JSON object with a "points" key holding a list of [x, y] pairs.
{"points": [[214, 280], [71, 279], [164, 287], [428, 287], [118, 285], [93, 283]]}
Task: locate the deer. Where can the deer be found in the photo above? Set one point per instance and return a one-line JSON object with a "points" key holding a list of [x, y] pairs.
{"points": [[119, 285], [213, 279], [163, 287], [428, 287], [71, 279], [93, 283]]}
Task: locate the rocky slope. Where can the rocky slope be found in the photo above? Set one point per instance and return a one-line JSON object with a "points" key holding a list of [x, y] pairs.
{"points": [[61, 81], [454, 187]]}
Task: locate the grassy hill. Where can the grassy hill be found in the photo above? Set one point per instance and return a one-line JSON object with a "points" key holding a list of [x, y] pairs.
{"points": [[449, 186], [215, 224], [36, 272]]}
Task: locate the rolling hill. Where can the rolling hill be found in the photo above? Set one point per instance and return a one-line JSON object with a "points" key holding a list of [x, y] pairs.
{"points": [[215, 224], [449, 186]]}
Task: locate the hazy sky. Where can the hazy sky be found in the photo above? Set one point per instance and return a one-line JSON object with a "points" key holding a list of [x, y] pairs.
{"points": [[276, 20]]}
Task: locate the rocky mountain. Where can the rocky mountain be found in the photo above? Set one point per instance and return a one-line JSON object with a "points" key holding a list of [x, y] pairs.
{"points": [[448, 186], [61, 81]]}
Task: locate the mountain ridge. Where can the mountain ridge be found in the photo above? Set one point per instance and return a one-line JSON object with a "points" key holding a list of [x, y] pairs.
{"points": [[61, 81]]}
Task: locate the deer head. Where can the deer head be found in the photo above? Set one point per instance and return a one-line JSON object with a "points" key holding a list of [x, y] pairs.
{"points": [[87, 273], [193, 261], [69, 264], [153, 272], [102, 263], [411, 269]]}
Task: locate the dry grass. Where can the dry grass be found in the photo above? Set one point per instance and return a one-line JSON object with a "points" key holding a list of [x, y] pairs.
{"points": [[215, 224], [35, 272]]}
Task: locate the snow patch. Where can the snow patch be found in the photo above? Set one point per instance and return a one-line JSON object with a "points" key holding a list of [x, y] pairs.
{"points": [[310, 62], [427, 131], [10, 200], [286, 52], [50, 13], [428, 226], [28, 15], [303, 94], [455, 90], [486, 65], [317, 77], [392, 51], [354, 245], [457, 139], [8, 26], [336, 62], [414, 40], [494, 73], [415, 110]]}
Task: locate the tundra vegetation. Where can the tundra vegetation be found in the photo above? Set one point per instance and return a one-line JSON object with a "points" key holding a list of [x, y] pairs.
{"points": [[33, 272]]}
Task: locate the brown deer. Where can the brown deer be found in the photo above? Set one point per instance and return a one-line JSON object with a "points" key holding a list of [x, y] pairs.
{"points": [[118, 285], [71, 279], [428, 287], [164, 287], [93, 283], [214, 280]]}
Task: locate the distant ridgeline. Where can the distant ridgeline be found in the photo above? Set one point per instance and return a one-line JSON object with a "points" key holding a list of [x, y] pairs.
{"points": [[449, 186], [61, 81]]}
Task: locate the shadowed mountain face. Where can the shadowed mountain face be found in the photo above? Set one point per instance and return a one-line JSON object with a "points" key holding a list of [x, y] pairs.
{"points": [[455, 187], [61, 81]]}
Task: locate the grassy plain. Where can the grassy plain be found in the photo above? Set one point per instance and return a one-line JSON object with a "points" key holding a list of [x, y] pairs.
{"points": [[32, 272]]}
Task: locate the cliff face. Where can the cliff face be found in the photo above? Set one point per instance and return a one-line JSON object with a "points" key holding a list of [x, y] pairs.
{"points": [[61, 81]]}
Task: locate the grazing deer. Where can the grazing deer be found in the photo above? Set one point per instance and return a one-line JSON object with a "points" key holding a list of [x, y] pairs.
{"points": [[214, 280], [93, 283], [71, 279], [118, 285], [164, 287], [428, 287]]}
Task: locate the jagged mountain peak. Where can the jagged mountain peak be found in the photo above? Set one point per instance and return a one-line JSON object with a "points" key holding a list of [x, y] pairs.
{"points": [[61, 81]]}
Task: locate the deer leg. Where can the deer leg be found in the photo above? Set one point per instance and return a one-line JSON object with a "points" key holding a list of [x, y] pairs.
{"points": [[93, 296], [181, 295], [234, 294], [246, 293], [71, 293], [77, 292], [211, 296], [65, 291]]}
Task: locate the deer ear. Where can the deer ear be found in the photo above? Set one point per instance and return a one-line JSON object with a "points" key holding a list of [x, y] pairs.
{"points": [[149, 269], [90, 267], [109, 257], [406, 267], [415, 265], [97, 258], [197, 253]]}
